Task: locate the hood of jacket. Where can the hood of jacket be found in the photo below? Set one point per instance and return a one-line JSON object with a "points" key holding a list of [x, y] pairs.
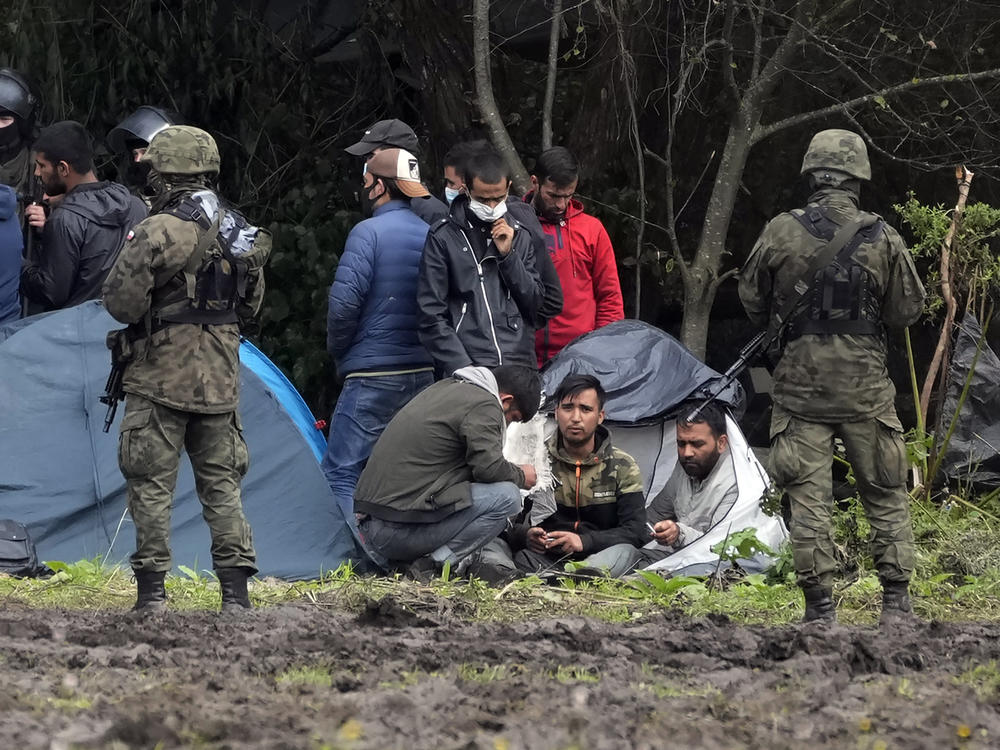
{"points": [[107, 204], [602, 448], [481, 376], [8, 202]]}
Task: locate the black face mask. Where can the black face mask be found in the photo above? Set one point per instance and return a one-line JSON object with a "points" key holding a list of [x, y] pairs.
{"points": [[136, 175], [10, 138], [367, 202]]}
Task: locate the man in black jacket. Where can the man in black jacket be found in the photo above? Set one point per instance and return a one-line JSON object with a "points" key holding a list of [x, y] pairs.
{"points": [[88, 225], [479, 289]]}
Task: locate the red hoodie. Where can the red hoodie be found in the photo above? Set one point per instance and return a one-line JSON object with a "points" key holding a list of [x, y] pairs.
{"points": [[585, 261]]}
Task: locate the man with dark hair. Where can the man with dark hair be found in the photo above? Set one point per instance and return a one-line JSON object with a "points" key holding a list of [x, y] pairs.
{"points": [[479, 289], [371, 323], [437, 486], [87, 227], [598, 488], [397, 134], [700, 492], [581, 250], [521, 214]]}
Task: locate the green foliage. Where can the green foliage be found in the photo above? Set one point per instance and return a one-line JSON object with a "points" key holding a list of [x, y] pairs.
{"points": [[741, 545]]}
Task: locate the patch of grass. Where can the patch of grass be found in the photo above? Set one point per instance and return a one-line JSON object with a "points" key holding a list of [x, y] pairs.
{"points": [[568, 674], [487, 673], [984, 679], [316, 676], [664, 690]]}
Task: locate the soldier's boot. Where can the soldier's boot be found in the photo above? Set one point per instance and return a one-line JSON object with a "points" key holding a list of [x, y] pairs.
{"points": [[896, 608], [152, 595], [819, 604], [233, 583]]}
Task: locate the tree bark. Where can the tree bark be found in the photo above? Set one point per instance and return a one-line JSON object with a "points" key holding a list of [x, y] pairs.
{"points": [[550, 80], [485, 99]]}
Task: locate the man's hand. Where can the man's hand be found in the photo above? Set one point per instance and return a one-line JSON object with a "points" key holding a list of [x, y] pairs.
{"points": [[35, 214], [529, 476], [564, 541], [503, 236], [536, 539], [666, 532]]}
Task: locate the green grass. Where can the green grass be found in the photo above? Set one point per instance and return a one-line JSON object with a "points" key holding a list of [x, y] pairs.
{"points": [[315, 676]]}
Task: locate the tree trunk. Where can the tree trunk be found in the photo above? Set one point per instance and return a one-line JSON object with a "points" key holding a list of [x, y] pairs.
{"points": [[550, 80]]}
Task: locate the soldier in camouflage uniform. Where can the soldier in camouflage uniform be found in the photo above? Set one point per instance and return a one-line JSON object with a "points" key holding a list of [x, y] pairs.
{"points": [[182, 382], [598, 488], [831, 379]]}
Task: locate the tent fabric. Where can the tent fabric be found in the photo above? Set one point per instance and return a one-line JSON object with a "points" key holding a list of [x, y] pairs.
{"points": [[60, 473], [646, 372], [973, 454], [647, 375]]}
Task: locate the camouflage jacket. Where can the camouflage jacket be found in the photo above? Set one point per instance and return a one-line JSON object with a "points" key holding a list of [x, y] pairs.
{"points": [[187, 367], [600, 498], [830, 377]]}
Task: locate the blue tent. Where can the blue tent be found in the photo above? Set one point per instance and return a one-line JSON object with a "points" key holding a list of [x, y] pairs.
{"points": [[59, 471]]}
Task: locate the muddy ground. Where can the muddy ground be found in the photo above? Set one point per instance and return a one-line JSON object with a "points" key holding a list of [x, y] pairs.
{"points": [[309, 676]]}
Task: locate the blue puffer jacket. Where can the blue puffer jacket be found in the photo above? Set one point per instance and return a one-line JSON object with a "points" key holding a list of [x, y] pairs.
{"points": [[371, 321], [10, 255]]}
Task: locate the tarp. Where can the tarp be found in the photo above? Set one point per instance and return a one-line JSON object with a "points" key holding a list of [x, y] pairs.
{"points": [[59, 471], [973, 453], [648, 374]]}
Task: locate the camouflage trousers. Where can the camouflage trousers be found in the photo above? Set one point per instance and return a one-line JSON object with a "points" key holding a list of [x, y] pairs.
{"points": [[149, 448], [801, 462]]}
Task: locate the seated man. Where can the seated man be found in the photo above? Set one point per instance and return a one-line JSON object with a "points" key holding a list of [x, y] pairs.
{"points": [[437, 486], [598, 488], [698, 495]]}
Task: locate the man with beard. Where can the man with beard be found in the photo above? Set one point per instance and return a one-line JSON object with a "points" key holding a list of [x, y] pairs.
{"points": [[87, 227], [18, 109], [371, 329], [581, 251], [698, 495], [479, 289], [598, 488]]}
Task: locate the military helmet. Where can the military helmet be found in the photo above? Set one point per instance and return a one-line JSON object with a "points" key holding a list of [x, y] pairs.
{"points": [[141, 125], [839, 150], [182, 149], [17, 96]]}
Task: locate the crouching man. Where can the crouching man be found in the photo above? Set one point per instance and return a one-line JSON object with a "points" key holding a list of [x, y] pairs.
{"points": [[598, 488], [699, 494], [437, 486]]}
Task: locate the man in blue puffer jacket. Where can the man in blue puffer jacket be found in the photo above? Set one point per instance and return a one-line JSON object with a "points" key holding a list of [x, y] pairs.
{"points": [[10, 255], [372, 318]]}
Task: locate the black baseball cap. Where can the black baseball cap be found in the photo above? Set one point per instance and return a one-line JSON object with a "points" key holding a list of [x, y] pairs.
{"points": [[387, 134]]}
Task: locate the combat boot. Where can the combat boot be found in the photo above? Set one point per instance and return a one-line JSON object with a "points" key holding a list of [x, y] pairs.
{"points": [[233, 583], [819, 604], [896, 608], [152, 595]]}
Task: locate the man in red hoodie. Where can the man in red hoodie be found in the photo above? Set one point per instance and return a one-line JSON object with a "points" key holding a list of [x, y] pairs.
{"points": [[581, 251]]}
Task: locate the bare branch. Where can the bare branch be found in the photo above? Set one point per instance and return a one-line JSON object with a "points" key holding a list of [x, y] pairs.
{"points": [[550, 79]]}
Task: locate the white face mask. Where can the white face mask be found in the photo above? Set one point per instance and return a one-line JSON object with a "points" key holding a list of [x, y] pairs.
{"points": [[450, 194], [485, 213]]}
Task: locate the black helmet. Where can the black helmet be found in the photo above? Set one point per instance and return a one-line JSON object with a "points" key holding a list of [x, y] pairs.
{"points": [[17, 96], [141, 125]]}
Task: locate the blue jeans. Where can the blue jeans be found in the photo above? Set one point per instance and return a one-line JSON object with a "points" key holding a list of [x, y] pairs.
{"points": [[365, 406], [451, 539]]}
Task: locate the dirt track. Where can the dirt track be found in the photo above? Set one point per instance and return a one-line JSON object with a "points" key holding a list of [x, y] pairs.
{"points": [[391, 679]]}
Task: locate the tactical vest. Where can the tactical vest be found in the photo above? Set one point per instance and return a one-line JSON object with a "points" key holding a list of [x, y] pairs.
{"points": [[216, 282], [843, 298]]}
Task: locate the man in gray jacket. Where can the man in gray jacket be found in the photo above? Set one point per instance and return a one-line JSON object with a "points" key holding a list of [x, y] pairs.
{"points": [[698, 495], [437, 486]]}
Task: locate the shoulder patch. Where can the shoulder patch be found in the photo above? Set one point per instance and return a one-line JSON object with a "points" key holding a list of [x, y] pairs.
{"points": [[130, 235]]}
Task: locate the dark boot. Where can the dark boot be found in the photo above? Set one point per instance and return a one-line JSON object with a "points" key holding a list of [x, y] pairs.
{"points": [[819, 604], [233, 583], [896, 607], [152, 596]]}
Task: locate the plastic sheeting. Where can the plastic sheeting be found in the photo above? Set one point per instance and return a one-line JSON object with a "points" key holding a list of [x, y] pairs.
{"points": [[59, 472], [646, 372], [974, 450]]}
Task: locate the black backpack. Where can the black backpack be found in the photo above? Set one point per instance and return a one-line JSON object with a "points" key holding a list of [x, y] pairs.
{"points": [[18, 556]]}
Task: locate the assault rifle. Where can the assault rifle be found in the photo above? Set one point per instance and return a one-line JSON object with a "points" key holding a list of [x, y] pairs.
{"points": [[122, 353], [35, 198], [750, 352]]}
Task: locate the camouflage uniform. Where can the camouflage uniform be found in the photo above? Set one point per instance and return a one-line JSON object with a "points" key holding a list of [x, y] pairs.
{"points": [[837, 385], [182, 389]]}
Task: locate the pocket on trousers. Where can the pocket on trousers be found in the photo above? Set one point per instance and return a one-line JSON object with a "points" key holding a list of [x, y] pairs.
{"points": [[135, 456], [241, 456], [784, 464], [890, 451], [377, 401]]}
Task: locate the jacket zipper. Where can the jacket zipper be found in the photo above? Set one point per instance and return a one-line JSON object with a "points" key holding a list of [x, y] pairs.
{"points": [[576, 525], [486, 301], [465, 306]]}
